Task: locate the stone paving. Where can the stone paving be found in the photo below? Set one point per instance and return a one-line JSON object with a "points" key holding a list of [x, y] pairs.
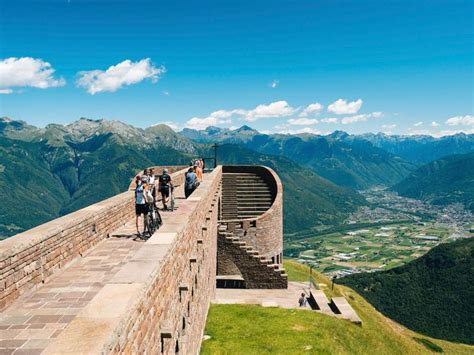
{"points": [[32, 321], [39, 316]]}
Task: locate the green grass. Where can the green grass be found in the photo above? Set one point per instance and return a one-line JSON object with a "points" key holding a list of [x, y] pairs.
{"points": [[249, 329]]}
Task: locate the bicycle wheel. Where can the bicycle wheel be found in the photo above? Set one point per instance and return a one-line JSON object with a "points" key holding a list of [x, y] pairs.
{"points": [[149, 225], [158, 217]]}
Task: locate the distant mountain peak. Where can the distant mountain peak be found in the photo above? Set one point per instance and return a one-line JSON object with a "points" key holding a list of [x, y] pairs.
{"points": [[339, 134], [213, 130], [245, 128]]}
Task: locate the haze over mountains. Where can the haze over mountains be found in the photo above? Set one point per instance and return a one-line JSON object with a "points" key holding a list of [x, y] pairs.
{"points": [[60, 168]]}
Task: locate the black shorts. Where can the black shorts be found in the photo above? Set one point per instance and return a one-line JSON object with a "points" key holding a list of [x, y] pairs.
{"points": [[141, 209], [165, 191]]}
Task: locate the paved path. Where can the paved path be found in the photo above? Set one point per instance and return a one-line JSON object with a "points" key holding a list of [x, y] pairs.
{"points": [[268, 298], [34, 319], [31, 322]]}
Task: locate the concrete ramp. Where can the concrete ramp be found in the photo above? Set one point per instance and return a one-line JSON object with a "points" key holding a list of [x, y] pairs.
{"points": [[342, 307], [318, 298]]}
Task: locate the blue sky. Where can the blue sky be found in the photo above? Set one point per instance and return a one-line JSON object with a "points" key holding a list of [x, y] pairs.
{"points": [[395, 66]]}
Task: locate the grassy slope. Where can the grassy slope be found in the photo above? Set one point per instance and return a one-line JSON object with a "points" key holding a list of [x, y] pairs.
{"points": [[242, 329]]}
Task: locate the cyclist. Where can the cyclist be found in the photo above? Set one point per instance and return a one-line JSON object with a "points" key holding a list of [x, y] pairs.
{"points": [[141, 207], [165, 186]]}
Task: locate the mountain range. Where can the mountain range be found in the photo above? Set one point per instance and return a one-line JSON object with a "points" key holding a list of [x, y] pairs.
{"points": [[355, 161], [57, 169]]}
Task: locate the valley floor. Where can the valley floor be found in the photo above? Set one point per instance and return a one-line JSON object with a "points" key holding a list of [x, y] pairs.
{"points": [[391, 232]]}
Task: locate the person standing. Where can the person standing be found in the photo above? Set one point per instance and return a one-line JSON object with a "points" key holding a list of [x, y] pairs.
{"points": [[198, 171], [302, 300], [190, 182], [140, 201], [165, 185]]}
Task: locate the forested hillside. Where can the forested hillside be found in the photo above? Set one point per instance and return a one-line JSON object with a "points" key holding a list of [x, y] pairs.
{"points": [[442, 181], [431, 295]]}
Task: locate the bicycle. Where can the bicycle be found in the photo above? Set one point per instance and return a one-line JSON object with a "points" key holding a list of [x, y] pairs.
{"points": [[152, 220]]}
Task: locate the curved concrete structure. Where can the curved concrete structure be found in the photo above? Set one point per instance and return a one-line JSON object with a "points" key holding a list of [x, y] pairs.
{"points": [[250, 249], [265, 231]]}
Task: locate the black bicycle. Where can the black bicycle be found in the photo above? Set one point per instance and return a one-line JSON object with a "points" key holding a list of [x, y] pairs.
{"points": [[153, 220]]}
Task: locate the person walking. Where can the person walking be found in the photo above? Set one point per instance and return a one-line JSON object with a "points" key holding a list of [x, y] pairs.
{"points": [[165, 186], [190, 182]]}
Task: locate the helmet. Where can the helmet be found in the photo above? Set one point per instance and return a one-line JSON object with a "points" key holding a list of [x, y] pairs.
{"points": [[144, 178], [165, 171]]}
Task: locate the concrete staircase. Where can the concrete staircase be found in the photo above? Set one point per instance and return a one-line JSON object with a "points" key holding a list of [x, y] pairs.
{"points": [[256, 270], [244, 195]]}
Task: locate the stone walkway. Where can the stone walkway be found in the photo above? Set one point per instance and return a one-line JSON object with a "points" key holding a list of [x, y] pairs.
{"points": [[267, 298], [33, 320], [36, 318]]}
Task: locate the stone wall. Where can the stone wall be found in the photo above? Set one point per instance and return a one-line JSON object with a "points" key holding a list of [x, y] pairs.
{"points": [[29, 258], [171, 311]]}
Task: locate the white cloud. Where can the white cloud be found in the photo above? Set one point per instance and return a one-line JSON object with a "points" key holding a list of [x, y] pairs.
{"points": [[467, 120], [419, 132], [453, 132], [434, 124], [312, 109], [298, 131], [302, 121], [342, 107], [273, 110], [166, 93], [361, 118], [439, 133], [274, 84], [116, 76], [418, 124], [389, 126], [330, 120], [214, 119], [27, 72]]}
